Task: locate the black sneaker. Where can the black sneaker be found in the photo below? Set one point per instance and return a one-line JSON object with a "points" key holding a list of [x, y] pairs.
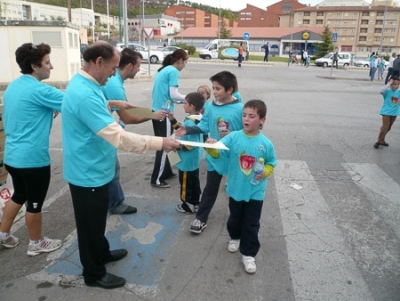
{"points": [[376, 145], [173, 175], [384, 144], [162, 184], [197, 226]]}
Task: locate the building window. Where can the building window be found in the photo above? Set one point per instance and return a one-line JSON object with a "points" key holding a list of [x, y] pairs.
{"points": [[346, 14], [391, 40], [364, 22], [344, 22], [365, 13], [319, 22], [313, 14], [355, 14], [344, 30], [242, 19], [377, 39], [363, 30], [319, 14], [262, 19], [337, 14], [306, 21], [190, 12], [343, 39], [306, 14], [371, 22], [372, 14], [370, 30], [380, 14], [248, 19], [337, 22], [329, 22], [312, 22], [243, 13], [393, 23], [300, 13], [351, 38], [362, 39], [379, 22], [378, 30], [393, 31], [189, 19], [248, 13], [354, 22]]}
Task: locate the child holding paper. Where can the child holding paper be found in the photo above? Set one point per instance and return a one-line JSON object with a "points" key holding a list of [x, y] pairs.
{"points": [[190, 156]]}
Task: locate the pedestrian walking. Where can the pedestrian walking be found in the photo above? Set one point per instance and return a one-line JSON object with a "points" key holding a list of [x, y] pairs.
{"points": [[390, 69]]}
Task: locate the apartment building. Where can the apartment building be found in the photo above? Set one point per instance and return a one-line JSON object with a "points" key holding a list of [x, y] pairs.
{"points": [[360, 29], [252, 16], [193, 17]]}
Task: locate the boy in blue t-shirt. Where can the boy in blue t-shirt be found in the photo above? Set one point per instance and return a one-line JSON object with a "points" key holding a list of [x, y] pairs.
{"points": [[223, 115], [190, 156], [246, 147]]}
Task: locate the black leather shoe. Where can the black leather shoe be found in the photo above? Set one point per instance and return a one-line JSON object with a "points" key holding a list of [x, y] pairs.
{"points": [[108, 281], [116, 255], [173, 175], [129, 210]]}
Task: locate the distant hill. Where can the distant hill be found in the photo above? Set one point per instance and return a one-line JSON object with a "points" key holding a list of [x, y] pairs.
{"points": [[152, 7]]}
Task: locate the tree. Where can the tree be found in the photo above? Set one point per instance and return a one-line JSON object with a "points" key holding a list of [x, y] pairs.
{"points": [[224, 32], [327, 45]]}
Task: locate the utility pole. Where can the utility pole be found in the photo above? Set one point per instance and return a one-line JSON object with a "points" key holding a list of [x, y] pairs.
{"points": [[383, 28], [69, 12]]}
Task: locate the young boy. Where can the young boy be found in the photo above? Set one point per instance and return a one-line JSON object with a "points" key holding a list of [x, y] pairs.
{"points": [[389, 110], [190, 156], [223, 116], [246, 147]]}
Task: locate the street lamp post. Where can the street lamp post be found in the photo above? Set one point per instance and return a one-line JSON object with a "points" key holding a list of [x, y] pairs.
{"points": [[219, 21], [383, 28]]}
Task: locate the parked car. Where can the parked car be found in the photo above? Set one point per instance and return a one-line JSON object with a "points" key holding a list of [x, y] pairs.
{"points": [[170, 49], [155, 55], [364, 62], [326, 61]]}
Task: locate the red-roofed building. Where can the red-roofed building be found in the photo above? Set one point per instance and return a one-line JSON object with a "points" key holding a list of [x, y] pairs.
{"points": [[280, 39]]}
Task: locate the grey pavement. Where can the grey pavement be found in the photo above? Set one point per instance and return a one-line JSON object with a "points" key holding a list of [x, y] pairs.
{"points": [[329, 227]]}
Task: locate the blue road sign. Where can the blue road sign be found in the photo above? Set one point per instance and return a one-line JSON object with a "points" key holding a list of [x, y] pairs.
{"points": [[246, 36], [334, 37]]}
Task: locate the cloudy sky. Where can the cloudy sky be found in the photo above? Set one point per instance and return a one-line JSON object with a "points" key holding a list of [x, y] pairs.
{"points": [[239, 5]]}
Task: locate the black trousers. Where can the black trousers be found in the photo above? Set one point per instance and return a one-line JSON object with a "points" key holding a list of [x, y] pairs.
{"points": [[209, 195], [90, 207], [244, 224], [190, 186], [162, 168]]}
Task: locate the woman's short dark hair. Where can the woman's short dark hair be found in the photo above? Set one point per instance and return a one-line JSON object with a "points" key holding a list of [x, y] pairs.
{"points": [[99, 49], [173, 57], [30, 54]]}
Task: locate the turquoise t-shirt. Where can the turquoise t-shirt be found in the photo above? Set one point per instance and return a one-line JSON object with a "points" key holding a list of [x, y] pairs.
{"points": [[390, 105], [28, 118], [166, 78], [89, 160], [190, 159], [114, 88], [243, 152], [218, 118]]}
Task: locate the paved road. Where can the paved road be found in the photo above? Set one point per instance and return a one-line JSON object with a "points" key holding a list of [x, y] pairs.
{"points": [[336, 238]]}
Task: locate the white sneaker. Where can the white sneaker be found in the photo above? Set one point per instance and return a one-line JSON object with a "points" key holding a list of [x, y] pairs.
{"points": [[249, 264], [47, 245], [233, 245], [10, 242]]}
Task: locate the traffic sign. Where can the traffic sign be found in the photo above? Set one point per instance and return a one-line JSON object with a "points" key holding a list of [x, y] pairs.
{"points": [[246, 36], [149, 31], [334, 37]]}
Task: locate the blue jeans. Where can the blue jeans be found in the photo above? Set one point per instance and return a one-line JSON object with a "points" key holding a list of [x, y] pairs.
{"points": [[373, 71], [116, 193]]}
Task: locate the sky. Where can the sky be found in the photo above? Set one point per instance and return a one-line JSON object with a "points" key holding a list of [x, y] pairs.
{"points": [[237, 5]]}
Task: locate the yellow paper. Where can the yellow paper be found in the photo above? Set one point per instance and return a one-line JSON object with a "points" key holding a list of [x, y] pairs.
{"points": [[143, 112]]}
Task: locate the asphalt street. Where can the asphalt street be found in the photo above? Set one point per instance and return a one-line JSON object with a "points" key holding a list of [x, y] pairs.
{"points": [[330, 224]]}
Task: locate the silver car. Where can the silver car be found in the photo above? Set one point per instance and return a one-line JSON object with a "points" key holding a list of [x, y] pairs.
{"points": [[155, 55], [170, 49]]}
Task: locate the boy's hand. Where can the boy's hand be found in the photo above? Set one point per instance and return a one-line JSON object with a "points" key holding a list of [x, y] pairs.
{"points": [[170, 116], [211, 140], [160, 115], [181, 131]]}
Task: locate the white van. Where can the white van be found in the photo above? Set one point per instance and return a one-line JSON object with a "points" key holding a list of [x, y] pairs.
{"points": [[224, 49], [326, 61]]}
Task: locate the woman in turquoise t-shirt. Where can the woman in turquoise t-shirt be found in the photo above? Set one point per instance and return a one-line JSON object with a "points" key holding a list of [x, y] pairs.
{"points": [[165, 90], [29, 106]]}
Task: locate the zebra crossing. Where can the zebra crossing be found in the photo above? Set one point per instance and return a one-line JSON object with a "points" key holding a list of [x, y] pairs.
{"points": [[340, 230]]}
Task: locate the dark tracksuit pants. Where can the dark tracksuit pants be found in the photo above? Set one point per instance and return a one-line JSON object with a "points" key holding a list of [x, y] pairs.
{"points": [[244, 224], [190, 186], [162, 168], [209, 195], [90, 208]]}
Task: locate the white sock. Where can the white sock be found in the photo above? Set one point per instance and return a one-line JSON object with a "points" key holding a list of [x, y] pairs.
{"points": [[4, 235], [35, 242]]}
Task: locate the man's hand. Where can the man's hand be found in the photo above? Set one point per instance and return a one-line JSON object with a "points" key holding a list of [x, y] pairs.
{"points": [[170, 144], [121, 105]]}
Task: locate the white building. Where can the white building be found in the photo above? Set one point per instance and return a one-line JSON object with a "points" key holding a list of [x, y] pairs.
{"points": [[63, 38]]}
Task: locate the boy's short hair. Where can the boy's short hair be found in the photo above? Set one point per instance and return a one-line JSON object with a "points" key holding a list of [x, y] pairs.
{"points": [[226, 79], [394, 77], [196, 99], [258, 105]]}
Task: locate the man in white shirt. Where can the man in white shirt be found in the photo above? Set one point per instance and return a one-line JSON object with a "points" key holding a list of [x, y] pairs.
{"points": [[390, 70]]}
